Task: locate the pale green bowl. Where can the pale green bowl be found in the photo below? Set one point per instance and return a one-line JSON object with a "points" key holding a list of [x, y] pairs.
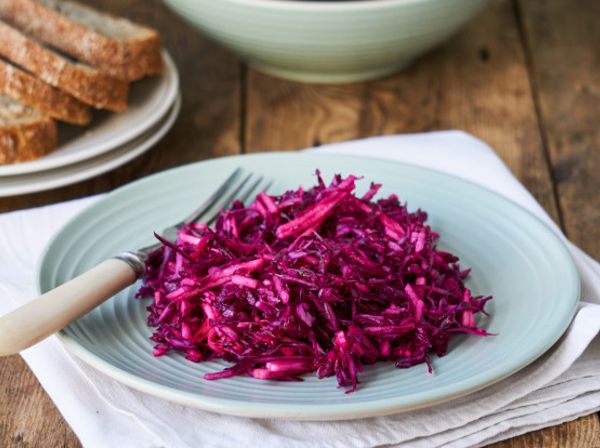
{"points": [[330, 41]]}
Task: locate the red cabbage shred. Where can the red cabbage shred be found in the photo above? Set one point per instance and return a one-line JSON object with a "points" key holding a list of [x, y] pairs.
{"points": [[316, 280]]}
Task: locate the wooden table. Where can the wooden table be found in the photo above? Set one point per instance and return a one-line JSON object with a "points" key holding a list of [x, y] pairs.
{"points": [[523, 76]]}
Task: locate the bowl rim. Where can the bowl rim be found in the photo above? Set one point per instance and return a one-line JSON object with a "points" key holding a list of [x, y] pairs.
{"points": [[326, 5]]}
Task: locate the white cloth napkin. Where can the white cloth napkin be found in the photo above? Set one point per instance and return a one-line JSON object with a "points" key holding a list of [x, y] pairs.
{"points": [[562, 385]]}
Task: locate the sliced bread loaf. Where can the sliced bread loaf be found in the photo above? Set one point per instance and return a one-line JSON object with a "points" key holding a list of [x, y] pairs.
{"points": [[83, 82], [114, 45], [25, 133], [26, 89]]}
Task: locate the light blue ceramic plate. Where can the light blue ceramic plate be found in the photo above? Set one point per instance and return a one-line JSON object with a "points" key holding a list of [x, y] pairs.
{"points": [[513, 255]]}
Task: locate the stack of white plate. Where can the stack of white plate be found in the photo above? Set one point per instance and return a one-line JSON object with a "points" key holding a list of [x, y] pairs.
{"points": [[112, 139]]}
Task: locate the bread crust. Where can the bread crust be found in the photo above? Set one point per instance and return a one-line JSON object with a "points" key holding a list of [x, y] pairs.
{"points": [[129, 59], [84, 83], [28, 90], [27, 141]]}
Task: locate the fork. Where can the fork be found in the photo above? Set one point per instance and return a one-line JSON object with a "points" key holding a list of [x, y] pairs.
{"points": [[54, 310]]}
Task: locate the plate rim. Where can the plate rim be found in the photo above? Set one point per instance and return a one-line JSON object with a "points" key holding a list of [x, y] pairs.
{"points": [[171, 75], [327, 412], [92, 168]]}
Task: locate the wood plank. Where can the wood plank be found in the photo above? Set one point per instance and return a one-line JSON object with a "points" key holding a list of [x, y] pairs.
{"points": [[581, 433], [435, 94], [562, 39], [208, 126], [477, 82], [283, 115], [28, 418]]}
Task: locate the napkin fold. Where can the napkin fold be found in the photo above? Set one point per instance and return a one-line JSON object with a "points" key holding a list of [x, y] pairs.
{"points": [[562, 385]]}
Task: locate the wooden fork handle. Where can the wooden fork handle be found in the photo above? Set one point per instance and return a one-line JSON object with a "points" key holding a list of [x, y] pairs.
{"points": [[57, 308]]}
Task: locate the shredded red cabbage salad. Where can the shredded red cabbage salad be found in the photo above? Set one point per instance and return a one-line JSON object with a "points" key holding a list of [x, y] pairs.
{"points": [[316, 280]]}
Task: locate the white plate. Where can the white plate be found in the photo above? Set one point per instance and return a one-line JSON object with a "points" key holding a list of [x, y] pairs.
{"points": [[149, 102], [46, 180]]}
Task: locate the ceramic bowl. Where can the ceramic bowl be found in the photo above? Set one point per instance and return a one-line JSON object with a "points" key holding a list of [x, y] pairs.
{"points": [[328, 41]]}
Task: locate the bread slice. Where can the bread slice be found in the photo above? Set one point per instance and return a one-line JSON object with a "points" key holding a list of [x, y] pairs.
{"points": [[25, 134], [84, 83], [112, 44], [26, 89]]}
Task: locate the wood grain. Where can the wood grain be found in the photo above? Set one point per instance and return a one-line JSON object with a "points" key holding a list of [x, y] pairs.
{"points": [[522, 76], [581, 433], [28, 418], [562, 39], [477, 82], [208, 126]]}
